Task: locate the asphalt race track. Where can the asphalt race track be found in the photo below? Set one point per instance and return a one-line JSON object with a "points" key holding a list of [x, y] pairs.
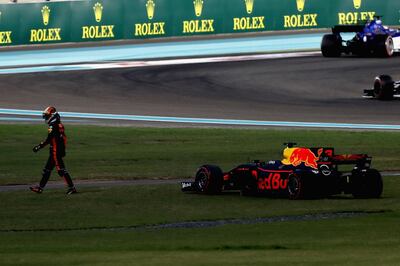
{"points": [[309, 89]]}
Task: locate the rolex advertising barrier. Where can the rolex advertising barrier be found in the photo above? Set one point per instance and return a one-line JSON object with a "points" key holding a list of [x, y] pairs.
{"points": [[91, 20]]}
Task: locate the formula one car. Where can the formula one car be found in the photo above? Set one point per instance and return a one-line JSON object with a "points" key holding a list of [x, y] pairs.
{"points": [[372, 38], [384, 88], [303, 173]]}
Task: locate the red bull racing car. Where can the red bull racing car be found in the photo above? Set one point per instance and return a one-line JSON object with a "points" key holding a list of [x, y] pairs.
{"points": [[384, 88], [302, 173]]}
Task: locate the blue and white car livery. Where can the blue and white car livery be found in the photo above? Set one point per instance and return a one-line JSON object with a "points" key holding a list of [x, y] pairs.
{"points": [[372, 38]]}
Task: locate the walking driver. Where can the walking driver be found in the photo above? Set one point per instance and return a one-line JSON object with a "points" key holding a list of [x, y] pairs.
{"points": [[57, 140]]}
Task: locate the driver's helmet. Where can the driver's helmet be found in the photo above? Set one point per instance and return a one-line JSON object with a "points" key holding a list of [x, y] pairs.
{"points": [[50, 115]]}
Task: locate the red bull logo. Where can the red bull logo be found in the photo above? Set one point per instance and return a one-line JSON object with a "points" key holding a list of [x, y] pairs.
{"points": [[296, 156]]}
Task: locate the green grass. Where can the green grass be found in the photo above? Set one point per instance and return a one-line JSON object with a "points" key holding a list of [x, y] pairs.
{"points": [[82, 229], [119, 207], [127, 153]]}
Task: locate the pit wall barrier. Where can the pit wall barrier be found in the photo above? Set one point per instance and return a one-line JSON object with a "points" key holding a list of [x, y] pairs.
{"points": [[91, 20]]}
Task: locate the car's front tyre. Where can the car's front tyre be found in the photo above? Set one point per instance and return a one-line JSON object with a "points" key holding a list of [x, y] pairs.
{"points": [[383, 87], [209, 179]]}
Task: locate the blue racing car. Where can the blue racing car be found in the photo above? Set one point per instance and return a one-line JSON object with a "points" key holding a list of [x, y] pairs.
{"points": [[384, 88], [371, 39]]}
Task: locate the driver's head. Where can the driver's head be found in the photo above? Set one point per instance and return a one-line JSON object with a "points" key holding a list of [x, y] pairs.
{"points": [[50, 115]]}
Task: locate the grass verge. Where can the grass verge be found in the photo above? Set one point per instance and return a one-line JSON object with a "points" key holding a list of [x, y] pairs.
{"points": [[128, 153], [82, 229]]}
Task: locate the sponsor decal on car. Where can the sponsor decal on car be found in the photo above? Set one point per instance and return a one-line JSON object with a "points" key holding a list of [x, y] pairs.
{"points": [[297, 156]]}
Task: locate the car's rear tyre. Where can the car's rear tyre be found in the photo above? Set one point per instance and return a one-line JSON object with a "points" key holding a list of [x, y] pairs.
{"points": [[331, 45], [385, 46], [367, 184], [383, 87], [209, 179], [296, 187]]}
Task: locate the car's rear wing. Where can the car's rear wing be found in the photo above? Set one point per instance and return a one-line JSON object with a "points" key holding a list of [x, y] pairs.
{"points": [[352, 159], [327, 155], [347, 28]]}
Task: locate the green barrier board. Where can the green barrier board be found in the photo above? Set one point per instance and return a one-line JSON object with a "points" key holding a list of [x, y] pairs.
{"points": [[80, 21]]}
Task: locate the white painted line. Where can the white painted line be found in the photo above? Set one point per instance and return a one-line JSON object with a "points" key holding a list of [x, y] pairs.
{"points": [[211, 121], [128, 64], [149, 63]]}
